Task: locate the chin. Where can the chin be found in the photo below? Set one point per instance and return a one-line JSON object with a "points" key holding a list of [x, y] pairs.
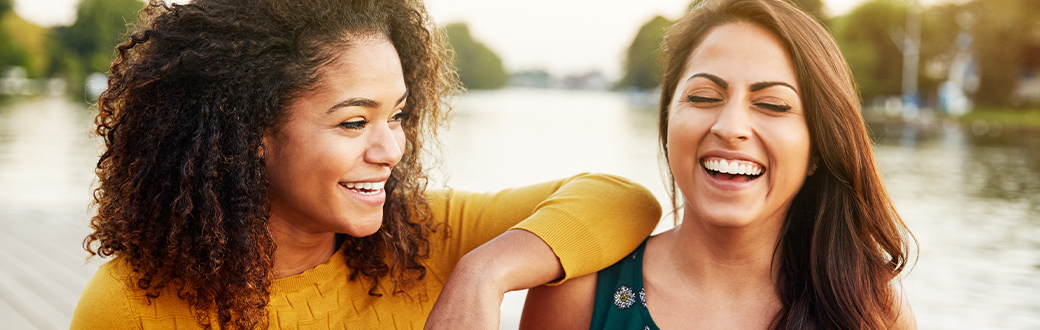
{"points": [[721, 218], [364, 226]]}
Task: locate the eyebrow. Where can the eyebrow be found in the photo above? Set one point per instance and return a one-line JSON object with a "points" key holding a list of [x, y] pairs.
{"points": [[766, 84], [715, 79], [754, 87], [363, 102]]}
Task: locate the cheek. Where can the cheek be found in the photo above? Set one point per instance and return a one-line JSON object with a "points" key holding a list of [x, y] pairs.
{"points": [[790, 144], [684, 135]]}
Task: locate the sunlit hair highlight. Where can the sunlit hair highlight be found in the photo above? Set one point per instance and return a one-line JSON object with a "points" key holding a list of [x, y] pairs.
{"points": [[842, 243], [183, 190]]}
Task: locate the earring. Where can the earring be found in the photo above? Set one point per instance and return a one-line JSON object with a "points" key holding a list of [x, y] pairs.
{"points": [[813, 169]]}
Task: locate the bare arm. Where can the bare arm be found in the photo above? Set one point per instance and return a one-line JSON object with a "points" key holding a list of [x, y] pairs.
{"points": [[905, 319], [566, 306], [473, 293], [572, 227]]}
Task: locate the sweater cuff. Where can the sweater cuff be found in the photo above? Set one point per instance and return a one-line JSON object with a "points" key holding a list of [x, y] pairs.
{"points": [[570, 240]]}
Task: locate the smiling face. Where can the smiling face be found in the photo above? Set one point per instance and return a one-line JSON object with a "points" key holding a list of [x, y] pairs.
{"points": [[738, 144], [328, 162]]}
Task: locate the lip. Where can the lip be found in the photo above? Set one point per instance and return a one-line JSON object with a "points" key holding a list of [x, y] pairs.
{"points": [[727, 185]]}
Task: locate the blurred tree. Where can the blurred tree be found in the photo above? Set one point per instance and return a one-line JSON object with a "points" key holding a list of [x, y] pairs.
{"points": [[940, 26], [1002, 31], [88, 44], [813, 7], [479, 67], [26, 46], [9, 53], [100, 26], [868, 37], [643, 59]]}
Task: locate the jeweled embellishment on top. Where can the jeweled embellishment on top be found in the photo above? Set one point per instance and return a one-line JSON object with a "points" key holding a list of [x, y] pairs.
{"points": [[624, 297], [642, 297]]}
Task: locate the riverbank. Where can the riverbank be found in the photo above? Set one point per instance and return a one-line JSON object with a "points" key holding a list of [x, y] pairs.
{"points": [[1006, 117], [981, 117]]}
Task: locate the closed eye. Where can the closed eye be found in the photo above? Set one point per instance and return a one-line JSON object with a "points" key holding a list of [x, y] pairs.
{"points": [[701, 99], [774, 107]]}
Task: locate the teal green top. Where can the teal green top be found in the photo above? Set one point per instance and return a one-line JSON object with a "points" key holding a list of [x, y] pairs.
{"points": [[620, 298]]}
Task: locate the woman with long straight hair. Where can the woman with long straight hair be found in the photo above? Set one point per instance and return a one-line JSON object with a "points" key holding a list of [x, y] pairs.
{"points": [[785, 221], [263, 168]]}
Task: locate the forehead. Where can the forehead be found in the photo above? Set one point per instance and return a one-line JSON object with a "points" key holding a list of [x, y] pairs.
{"points": [[742, 51], [364, 57]]}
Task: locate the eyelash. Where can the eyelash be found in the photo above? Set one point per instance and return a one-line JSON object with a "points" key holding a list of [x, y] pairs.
{"points": [[356, 125], [774, 107], [770, 106], [360, 124], [701, 99]]}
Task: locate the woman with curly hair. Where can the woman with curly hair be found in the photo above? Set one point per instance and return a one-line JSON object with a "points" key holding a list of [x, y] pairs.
{"points": [[263, 169], [786, 223]]}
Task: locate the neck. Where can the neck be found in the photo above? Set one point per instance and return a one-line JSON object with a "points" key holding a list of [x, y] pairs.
{"points": [[728, 259], [298, 249]]}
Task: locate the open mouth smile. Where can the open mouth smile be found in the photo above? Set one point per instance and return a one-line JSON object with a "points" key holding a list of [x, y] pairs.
{"points": [[731, 169], [364, 188]]}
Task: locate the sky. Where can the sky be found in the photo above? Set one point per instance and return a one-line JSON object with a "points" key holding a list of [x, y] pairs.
{"points": [[560, 36]]}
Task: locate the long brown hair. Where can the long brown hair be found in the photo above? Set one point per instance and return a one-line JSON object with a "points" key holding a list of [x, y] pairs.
{"points": [[842, 243], [183, 190]]}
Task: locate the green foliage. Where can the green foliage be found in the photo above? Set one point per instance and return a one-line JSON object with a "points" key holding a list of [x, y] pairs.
{"points": [[478, 66], [939, 30], [813, 7], [9, 55], [99, 27], [643, 60], [867, 37], [26, 46], [1001, 30]]}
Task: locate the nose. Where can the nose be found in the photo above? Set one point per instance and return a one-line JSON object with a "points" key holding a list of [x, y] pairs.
{"points": [[386, 146], [733, 123]]}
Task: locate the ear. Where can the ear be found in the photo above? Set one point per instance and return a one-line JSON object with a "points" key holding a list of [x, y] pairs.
{"points": [[263, 150], [814, 163]]}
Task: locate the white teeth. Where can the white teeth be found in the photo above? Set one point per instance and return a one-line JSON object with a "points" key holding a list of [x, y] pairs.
{"points": [[734, 167], [365, 186]]}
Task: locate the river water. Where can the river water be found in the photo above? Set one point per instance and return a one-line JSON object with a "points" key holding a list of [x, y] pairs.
{"points": [[970, 195]]}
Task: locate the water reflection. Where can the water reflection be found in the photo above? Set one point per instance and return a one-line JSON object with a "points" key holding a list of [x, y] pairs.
{"points": [[973, 202], [971, 196], [46, 155]]}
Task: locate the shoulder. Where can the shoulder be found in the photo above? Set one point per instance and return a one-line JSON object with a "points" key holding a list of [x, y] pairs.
{"points": [[105, 302], [565, 306], [904, 318], [112, 300]]}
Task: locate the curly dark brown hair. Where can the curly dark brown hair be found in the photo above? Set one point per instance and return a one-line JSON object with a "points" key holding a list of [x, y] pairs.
{"points": [[183, 189]]}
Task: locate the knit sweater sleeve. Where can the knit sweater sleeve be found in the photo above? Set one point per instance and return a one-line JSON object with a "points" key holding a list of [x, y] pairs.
{"points": [[590, 221]]}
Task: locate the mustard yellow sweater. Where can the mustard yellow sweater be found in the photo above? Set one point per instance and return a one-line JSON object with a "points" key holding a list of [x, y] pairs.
{"points": [[590, 221]]}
